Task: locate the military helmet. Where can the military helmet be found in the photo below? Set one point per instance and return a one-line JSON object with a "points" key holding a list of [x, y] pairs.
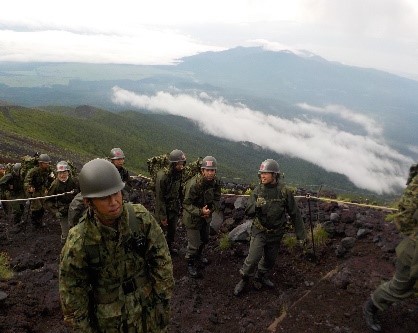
{"points": [[116, 154], [177, 156], [209, 162], [63, 166], [269, 165], [99, 178], [44, 158], [16, 168]]}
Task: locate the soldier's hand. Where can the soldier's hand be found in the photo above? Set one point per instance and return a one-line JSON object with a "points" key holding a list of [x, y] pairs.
{"points": [[164, 222], [205, 212], [31, 189]]}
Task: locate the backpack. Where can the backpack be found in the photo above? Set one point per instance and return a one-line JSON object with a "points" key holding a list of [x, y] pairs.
{"points": [[28, 162], [73, 169], [156, 163]]}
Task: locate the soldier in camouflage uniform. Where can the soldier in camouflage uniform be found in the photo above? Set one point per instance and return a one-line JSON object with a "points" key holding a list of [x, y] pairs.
{"points": [[268, 204], [117, 157], [201, 199], [58, 206], [36, 184], [115, 272], [11, 187], [168, 189], [401, 286]]}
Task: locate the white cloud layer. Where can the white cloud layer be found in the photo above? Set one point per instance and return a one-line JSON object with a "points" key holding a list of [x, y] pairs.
{"points": [[366, 160]]}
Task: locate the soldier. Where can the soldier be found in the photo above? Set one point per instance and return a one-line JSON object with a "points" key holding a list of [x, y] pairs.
{"points": [[11, 186], [202, 197], [168, 189], [58, 206], [36, 184], [268, 205], [117, 157], [115, 272], [401, 286]]}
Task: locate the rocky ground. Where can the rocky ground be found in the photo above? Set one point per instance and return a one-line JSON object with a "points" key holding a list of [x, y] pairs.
{"points": [[322, 295]]}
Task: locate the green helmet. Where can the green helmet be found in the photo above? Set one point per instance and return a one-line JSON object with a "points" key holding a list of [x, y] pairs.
{"points": [[116, 154], [99, 178], [269, 165], [209, 162], [44, 158], [177, 156]]}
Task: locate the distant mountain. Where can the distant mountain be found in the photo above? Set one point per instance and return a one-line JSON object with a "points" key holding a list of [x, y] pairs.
{"points": [[86, 132], [268, 81]]}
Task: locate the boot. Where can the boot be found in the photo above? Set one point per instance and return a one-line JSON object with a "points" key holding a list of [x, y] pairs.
{"points": [[191, 267], [370, 315], [240, 285], [201, 258], [261, 279]]}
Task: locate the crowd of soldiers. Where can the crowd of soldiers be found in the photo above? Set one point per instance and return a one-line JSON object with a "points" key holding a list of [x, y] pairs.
{"points": [[116, 271]]}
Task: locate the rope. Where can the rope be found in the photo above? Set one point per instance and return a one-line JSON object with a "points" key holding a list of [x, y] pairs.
{"points": [[308, 196], [38, 198]]}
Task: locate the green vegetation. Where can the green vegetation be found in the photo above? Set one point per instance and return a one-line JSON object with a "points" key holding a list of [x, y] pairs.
{"points": [[224, 242], [290, 242], [320, 235], [82, 133], [5, 270]]}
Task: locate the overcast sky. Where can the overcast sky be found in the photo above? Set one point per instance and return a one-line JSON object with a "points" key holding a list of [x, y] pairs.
{"points": [[382, 34]]}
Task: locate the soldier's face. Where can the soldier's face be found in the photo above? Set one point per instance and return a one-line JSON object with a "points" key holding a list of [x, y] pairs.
{"points": [[119, 162], [208, 174], [109, 208], [179, 166], [267, 177], [43, 165], [63, 176]]}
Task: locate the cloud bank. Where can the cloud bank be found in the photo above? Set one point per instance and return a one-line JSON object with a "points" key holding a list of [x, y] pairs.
{"points": [[365, 159]]}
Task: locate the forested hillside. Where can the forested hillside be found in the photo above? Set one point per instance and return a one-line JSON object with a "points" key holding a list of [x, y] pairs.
{"points": [[85, 132]]}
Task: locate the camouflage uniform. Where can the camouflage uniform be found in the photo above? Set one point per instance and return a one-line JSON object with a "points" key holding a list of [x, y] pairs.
{"points": [[75, 210], [268, 205], [124, 175], [58, 206], [168, 188], [116, 281], [11, 187], [198, 193], [401, 285], [40, 180]]}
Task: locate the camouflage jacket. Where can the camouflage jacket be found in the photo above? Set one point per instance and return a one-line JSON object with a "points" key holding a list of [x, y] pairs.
{"points": [[269, 204], [11, 186], [167, 193], [61, 203], [197, 194], [116, 280], [406, 218], [39, 179]]}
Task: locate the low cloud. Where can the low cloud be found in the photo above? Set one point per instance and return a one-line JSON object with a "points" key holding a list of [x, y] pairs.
{"points": [[365, 159]]}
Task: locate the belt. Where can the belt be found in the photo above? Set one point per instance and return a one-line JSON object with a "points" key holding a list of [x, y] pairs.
{"points": [[258, 225]]}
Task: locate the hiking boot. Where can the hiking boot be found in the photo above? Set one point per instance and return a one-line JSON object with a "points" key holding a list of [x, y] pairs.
{"points": [[240, 286], [261, 280], [191, 267], [370, 315]]}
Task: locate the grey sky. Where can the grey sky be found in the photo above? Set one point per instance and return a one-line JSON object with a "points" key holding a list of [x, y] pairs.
{"points": [[381, 34]]}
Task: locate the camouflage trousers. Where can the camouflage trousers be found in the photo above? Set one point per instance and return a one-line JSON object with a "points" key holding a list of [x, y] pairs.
{"points": [[264, 249], [196, 238], [401, 286]]}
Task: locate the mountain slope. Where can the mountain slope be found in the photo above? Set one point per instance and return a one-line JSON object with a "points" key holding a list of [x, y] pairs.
{"points": [[85, 132]]}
